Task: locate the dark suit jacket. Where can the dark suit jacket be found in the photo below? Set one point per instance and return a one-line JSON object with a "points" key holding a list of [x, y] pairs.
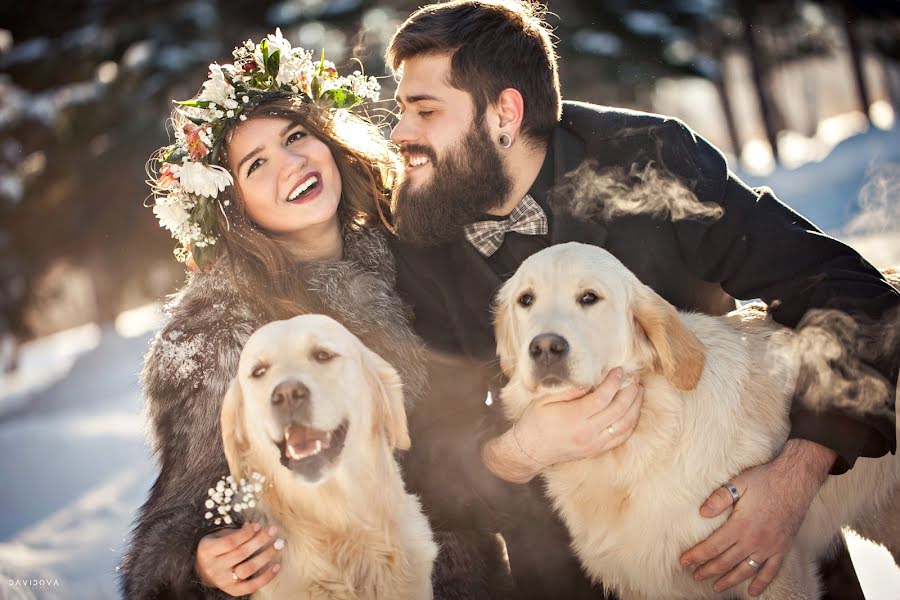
{"points": [[759, 248]]}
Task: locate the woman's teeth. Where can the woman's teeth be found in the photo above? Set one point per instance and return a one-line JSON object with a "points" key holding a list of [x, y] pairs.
{"points": [[303, 187], [415, 161]]}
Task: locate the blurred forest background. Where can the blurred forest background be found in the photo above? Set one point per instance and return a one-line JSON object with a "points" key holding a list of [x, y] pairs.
{"points": [[801, 94], [86, 85]]}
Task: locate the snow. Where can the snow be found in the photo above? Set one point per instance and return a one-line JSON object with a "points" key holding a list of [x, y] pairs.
{"points": [[75, 465], [860, 171]]}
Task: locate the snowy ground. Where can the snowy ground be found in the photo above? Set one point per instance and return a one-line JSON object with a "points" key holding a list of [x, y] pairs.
{"points": [[75, 468]]}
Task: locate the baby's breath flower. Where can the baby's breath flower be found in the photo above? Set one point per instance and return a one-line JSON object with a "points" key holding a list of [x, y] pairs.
{"points": [[230, 496]]}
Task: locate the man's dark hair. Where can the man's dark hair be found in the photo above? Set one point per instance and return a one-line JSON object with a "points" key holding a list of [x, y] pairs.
{"points": [[495, 45]]}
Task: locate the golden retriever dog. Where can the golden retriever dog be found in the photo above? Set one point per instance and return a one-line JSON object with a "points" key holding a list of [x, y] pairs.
{"points": [[717, 393], [319, 415]]}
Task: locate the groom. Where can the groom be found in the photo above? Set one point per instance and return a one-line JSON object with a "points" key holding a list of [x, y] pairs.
{"points": [[485, 137]]}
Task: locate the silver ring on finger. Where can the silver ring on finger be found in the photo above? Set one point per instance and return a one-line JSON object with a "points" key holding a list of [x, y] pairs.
{"points": [[732, 489], [753, 564], [234, 576]]}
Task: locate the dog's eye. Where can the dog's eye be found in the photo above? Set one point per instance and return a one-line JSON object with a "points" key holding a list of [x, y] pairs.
{"points": [[259, 371], [588, 298], [322, 356], [525, 299]]}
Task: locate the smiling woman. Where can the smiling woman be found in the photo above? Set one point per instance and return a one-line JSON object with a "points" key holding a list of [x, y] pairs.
{"points": [[278, 191]]}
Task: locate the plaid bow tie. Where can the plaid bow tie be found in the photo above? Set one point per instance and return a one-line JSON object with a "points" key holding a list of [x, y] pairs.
{"points": [[527, 217]]}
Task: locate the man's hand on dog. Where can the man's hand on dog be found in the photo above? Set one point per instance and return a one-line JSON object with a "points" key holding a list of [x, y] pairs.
{"points": [[228, 551], [772, 504], [566, 427]]}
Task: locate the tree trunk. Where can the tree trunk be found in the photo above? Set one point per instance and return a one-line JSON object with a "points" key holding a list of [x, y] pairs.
{"points": [[850, 15], [766, 104], [730, 123]]}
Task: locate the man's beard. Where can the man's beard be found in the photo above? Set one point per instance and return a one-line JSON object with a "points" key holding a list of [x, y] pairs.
{"points": [[469, 180]]}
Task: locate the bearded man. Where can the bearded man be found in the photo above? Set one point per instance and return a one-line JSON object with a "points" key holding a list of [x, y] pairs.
{"points": [[485, 137]]}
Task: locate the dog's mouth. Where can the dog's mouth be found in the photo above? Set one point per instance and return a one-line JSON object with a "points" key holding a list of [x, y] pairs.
{"points": [[308, 451], [552, 381], [555, 383]]}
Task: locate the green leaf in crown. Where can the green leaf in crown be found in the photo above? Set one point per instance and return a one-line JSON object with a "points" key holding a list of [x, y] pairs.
{"points": [[204, 255], [273, 63], [339, 97]]}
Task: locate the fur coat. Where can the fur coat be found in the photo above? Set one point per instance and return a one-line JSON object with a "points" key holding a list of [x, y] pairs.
{"points": [[187, 371]]}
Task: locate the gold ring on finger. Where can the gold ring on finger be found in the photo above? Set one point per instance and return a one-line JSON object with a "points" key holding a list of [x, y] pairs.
{"points": [[234, 576]]}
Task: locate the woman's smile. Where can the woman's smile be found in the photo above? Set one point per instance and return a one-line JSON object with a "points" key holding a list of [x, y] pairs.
{"points": [[306, 190]]}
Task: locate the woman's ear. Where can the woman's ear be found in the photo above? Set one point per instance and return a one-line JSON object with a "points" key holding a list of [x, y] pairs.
{"points": [[234, 434], [679, 353]]}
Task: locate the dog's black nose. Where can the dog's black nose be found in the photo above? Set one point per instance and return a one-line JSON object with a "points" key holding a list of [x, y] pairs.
{"points": [[548, 348], [290, 394]]}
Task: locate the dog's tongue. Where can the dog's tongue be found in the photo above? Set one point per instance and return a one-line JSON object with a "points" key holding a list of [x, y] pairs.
{"points": [[300, 441]]}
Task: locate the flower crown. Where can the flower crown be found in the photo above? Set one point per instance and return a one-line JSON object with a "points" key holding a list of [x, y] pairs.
{"points": [[188, 180]]}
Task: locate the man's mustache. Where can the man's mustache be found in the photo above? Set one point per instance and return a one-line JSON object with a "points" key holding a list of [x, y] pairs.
{"points": [[426, 151]]}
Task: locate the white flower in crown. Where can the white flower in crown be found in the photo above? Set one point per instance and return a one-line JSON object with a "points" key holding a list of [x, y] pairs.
{"points": [[296, 68], [204, 180], [278, 42], [216, 89], [171, 214]]}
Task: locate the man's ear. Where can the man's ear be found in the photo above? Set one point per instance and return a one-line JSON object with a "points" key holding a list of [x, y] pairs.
{"points": [[680, 354], [504, 331], [234, 434], [510, 109], [387, 390]]}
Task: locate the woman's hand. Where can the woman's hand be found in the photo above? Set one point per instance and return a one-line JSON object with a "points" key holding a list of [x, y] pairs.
{"points": [[239, 561], [566, 427]]}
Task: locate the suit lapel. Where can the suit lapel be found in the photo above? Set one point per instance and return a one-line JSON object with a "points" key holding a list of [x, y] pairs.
{"points": [[477, 285]]}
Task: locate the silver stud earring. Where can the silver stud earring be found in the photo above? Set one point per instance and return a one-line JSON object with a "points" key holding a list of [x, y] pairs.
{"points": [[505, 140]]}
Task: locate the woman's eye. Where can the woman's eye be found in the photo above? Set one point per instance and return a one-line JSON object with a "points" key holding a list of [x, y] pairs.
{"points": [[525, 300], [296, 136], [588, 298], [425, 113], [259, 371], [253, 166]]}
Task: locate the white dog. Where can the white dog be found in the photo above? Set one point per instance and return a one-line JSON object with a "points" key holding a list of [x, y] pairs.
{"points": [[717, 394], [319, 415]]}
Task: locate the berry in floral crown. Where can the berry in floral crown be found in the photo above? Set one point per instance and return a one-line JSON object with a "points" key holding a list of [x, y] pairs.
{"points": [[185, 177]]}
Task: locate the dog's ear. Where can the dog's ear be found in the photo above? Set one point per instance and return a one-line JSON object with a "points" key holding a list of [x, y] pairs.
{"points": [[504, 331], [387, 389], [680, 353], [234, 436]]}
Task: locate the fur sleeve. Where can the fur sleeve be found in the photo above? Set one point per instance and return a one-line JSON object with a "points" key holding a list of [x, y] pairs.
{"points": [[186, 373]]}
